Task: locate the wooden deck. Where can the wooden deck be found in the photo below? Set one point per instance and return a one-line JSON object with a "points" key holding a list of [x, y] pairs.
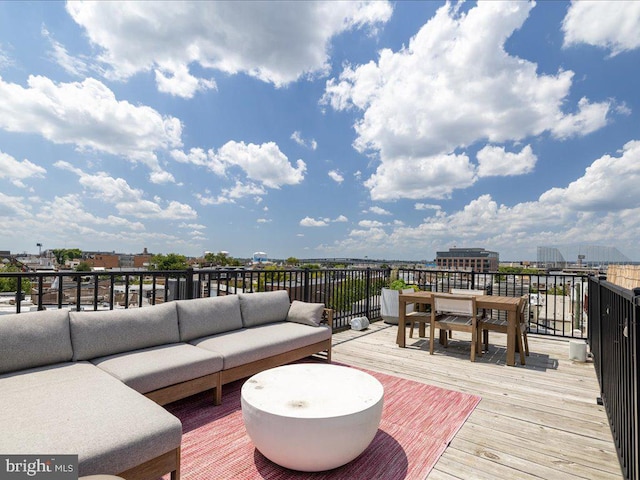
{"points": [[536, 421]]}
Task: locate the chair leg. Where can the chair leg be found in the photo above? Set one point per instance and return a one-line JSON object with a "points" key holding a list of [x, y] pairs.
{"points": [[411, 329], [432, 331], [485, 337], [526, 342], [474, 344], [519, 344]]}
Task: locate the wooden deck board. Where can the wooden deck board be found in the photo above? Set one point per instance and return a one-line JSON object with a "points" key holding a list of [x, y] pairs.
{"points": [[540, 420]]}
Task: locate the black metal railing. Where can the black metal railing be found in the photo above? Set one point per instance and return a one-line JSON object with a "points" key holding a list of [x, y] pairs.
{"points": [[555, 307], [349, 292], [613, 339]]}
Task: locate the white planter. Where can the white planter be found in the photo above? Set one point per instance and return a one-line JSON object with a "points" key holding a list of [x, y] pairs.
{"points": [[390, 304]]}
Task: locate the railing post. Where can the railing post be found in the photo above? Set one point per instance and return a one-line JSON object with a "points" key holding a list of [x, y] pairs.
{"points": [[306, 288], [367, 290], [40, 288], [19, 294], [634, 337], [473, 280], [189, 284]]}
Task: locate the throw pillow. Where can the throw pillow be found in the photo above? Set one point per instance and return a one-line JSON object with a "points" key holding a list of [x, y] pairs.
{"points": [[305, 313]]}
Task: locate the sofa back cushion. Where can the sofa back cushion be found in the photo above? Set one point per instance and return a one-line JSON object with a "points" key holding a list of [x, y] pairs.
{"points": [[34, 339], [106, 332], [264, 307], [202, 317]]}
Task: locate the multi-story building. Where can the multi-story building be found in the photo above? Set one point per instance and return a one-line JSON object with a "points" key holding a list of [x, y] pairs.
{"points": [[468, 259]]}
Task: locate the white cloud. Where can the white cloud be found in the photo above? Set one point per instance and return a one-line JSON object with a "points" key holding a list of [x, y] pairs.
{"points": [[5, 59], [336, 176], [196, 156], [426, 206], [495, 161], [434, 177], [69, 211], [179, 82], [276, 42], [59, 54], [601, 207], [297, 137], [87, 114], [263, 163], [127, 200], [341, 219], [370, 224], [10, 208], [609, 184], [263, 220], [230, 195], [454, 85], [311, 222], [17, 171], [379, 211], [613, 25], [193, 226]]}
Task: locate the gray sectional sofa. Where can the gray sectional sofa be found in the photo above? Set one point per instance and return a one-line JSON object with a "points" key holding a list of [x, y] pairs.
{"points": [[92, 383]]}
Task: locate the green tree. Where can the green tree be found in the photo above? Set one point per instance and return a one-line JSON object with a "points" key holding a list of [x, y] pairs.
{"points": [[222, 259], [348, 292], [171, 261], [292, 261], [64, 254], [83, 267], [11, 284]]}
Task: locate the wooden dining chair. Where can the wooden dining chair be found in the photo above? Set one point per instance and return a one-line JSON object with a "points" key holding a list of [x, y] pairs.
{"points": [[457, 313], [500, 325], [422, 316], [468, 291]]}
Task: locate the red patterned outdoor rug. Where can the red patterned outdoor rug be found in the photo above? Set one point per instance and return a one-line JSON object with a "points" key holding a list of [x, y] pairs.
{"points": [[412, 436]]}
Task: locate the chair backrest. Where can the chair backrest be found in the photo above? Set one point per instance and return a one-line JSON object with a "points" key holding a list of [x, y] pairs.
{"points": [[522, 309], [455, 304], [467, 291]]}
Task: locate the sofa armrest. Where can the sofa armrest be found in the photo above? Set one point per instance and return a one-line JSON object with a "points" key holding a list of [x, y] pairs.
{"points": [[327, 315]]}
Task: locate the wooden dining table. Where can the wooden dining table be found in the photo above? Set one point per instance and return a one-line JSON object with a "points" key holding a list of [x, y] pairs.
{"points": [[488, 302]]}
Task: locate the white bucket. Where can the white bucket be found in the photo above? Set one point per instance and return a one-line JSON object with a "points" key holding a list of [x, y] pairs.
{"points": [[578, 351]]}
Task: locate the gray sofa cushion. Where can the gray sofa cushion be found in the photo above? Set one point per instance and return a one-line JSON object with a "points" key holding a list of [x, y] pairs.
{"points": [[152, 368], [106, 332], [33, 339], [306, 313], [263, 307], [207, 316], [251, 344], [76, 408]]}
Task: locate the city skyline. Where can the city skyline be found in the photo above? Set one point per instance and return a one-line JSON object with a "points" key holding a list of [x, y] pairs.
{"points": [[319, 129]]}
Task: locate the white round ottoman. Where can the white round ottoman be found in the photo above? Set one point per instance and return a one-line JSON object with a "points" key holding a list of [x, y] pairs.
{"points": [[312, 417]]}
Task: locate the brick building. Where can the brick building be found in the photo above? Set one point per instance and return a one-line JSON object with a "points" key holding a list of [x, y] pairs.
{"points": [[468, 259]]}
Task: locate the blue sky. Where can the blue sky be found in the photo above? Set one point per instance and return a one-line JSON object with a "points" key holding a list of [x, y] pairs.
{"points": [[313, 129]]}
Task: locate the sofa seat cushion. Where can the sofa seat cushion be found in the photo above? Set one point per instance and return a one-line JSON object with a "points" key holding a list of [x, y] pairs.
{"points": [[152, 368], [106, 332], [255, 343], [76, 408]]}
